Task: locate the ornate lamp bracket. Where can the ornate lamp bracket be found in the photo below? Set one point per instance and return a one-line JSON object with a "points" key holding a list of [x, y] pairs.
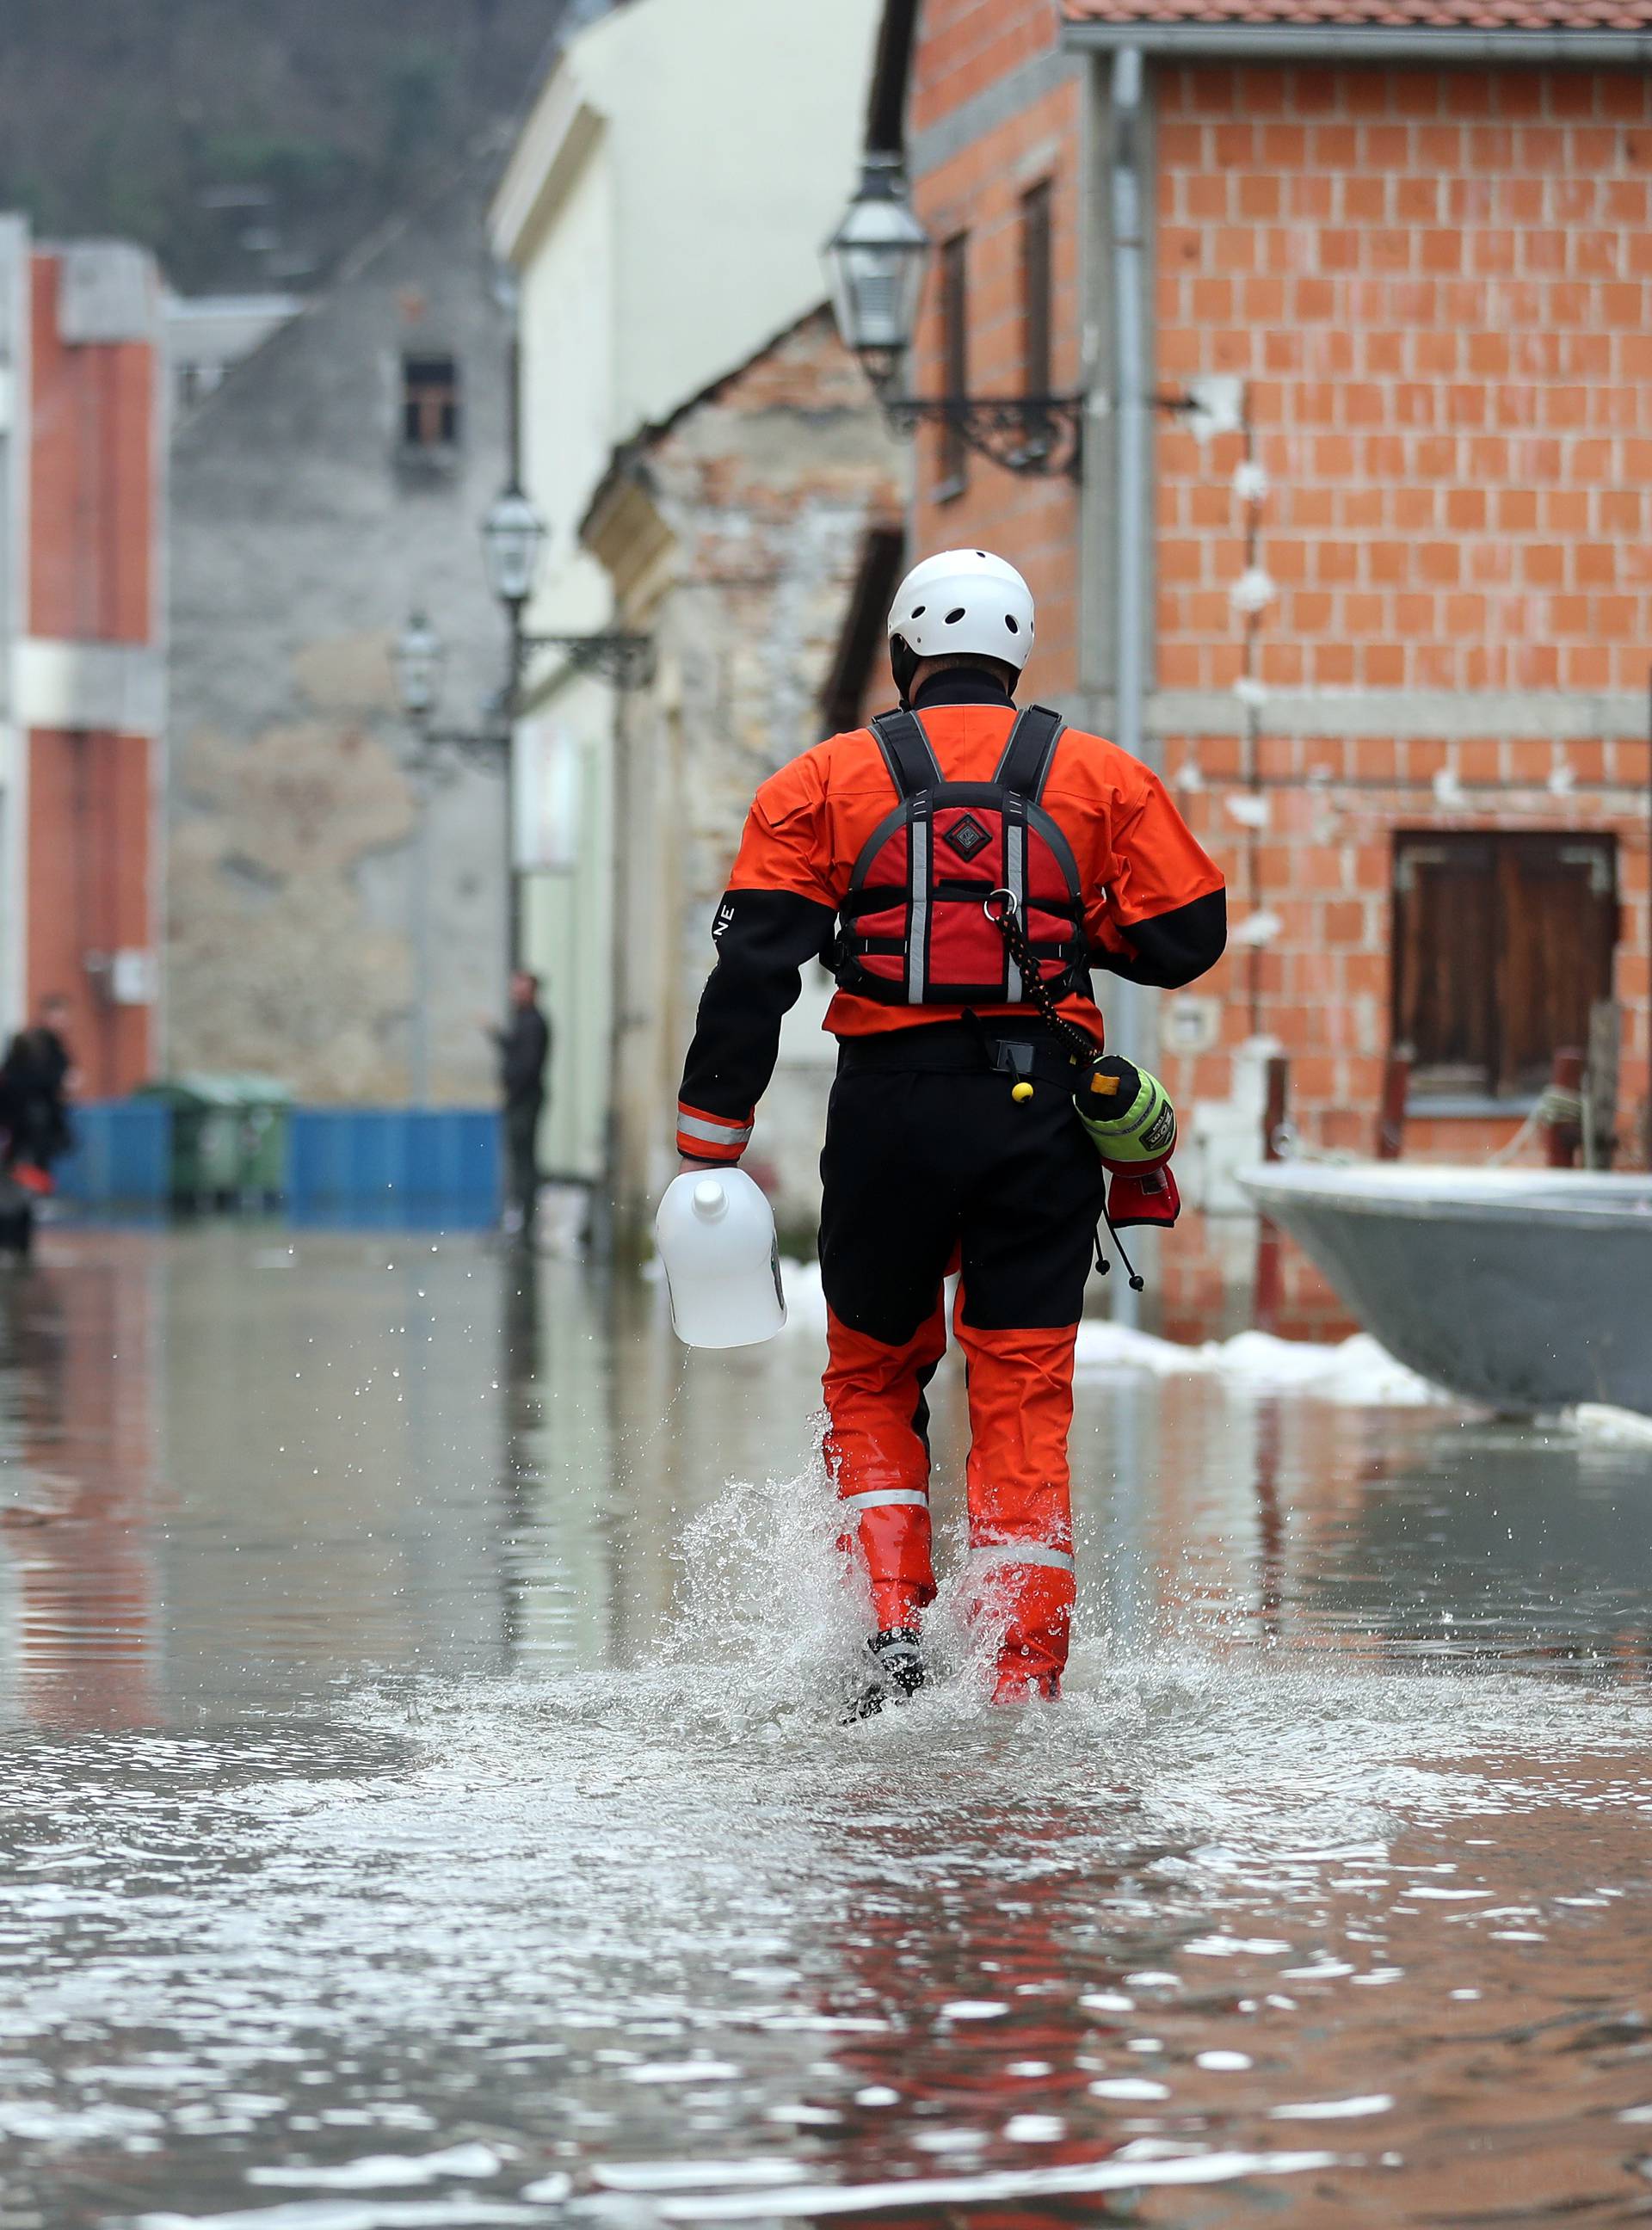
{"points": [[627, 660], [1030, 434]]}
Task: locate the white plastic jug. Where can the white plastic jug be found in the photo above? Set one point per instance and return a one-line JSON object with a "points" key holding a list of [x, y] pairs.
{"points": [[715, 1234]]}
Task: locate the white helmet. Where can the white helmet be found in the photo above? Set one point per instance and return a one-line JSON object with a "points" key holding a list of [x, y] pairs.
{"points": [[965, 600]]}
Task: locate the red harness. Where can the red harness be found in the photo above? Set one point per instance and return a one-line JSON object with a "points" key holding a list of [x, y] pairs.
{"points": [[914, 928]]}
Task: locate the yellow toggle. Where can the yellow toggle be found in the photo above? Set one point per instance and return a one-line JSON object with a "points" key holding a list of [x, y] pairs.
{"points": [[1020, 1093], [1104, 1087]]}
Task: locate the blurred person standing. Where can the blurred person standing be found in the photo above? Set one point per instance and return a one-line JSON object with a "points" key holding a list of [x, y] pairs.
{"points": [[34, 1090], [524, 1053]]}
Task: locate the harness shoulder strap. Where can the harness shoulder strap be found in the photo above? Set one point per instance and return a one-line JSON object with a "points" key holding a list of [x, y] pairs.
{"points": [[907, 753], [1025, 765]]}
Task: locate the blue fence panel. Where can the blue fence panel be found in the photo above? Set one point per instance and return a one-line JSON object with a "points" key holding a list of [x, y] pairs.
{"points": [[392, 1168], [122, 1156]]}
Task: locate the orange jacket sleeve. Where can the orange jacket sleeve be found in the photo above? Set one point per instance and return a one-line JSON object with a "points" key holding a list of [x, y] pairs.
{"points": [[780, 912], [1163, 918]]}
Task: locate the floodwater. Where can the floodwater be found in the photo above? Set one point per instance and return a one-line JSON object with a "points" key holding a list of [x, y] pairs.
{"points": [[422, 1801]]}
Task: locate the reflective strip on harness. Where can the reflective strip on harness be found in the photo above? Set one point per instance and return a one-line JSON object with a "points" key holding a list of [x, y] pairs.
{"points": [[715, 1134], [1023, 1552], [885, 1498], [918, 931], [1015, 881]]}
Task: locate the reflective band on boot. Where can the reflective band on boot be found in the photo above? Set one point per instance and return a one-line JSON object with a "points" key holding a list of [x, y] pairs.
{"points": [[1023, 1552]]}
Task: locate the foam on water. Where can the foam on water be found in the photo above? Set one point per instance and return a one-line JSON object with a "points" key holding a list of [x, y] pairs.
{"points": [[647, 1877]]}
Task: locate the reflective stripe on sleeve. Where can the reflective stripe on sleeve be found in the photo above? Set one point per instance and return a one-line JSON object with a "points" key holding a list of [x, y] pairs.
{"points": [[884, 1497], [1023, 1552], [713, 1134]]}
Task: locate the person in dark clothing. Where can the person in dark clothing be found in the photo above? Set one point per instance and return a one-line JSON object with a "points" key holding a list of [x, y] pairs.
{"points": [[34, 1130], [34, 1083], [524, 1050]]}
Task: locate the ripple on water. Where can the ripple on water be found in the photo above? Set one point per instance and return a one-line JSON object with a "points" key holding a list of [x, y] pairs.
{"points": [[677, 1923]]}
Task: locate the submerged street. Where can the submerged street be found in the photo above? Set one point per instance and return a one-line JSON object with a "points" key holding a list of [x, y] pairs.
{"points": [[424, 1802]]}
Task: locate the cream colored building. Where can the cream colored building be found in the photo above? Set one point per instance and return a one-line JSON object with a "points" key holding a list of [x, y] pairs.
{"points": [[663, 210]]}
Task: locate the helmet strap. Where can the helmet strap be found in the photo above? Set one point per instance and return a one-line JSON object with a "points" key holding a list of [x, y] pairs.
{"points": [[904, 662]]}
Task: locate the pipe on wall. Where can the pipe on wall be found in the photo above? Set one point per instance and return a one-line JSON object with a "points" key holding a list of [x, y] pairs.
{"points": [[1130, 404]]}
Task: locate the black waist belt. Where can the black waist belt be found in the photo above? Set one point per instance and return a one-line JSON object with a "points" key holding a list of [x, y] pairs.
{"points": [[960, 1048]]}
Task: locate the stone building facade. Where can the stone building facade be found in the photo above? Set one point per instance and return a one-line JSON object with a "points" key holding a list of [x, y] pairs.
{"points": [[331, 485], [732, 534], [1397, 587]]}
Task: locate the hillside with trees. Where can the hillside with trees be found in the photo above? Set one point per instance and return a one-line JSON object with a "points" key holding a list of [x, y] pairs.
{"points": [[251, 143]]}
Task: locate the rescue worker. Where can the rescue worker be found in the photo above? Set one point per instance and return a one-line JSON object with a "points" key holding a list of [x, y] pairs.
{"points": [[893, 853]]}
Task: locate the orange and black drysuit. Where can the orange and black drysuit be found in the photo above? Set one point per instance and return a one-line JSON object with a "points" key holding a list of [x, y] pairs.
{"points": [[929, 1165]]}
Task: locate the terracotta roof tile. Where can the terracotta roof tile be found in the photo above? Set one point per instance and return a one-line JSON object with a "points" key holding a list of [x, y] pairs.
{"points": [[1375, 14]]}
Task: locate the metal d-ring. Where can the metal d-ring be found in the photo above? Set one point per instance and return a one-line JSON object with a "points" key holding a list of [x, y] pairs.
{"points": [[1005, 913]]}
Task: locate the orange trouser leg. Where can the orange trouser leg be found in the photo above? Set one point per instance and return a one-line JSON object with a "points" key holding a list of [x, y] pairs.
{"points": [[1021, 1514], [878, 1458]]}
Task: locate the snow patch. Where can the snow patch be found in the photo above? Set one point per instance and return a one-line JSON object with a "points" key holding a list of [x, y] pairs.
{"points": [[1359, 1370]]}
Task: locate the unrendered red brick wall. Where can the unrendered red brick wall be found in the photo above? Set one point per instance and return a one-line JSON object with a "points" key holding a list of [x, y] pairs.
{"points": [[962, 47], [1439, 285]]}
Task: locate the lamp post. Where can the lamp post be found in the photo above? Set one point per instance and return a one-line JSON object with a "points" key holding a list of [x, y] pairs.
{"points": [[513, 537], [875, 268], [418, 659]]}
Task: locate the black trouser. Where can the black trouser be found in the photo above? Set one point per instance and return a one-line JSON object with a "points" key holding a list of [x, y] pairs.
{"points": [[521, 1154], [928, 1153]]}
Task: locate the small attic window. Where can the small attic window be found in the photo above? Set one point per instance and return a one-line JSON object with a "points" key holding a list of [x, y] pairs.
{"points": [[429, 402]]}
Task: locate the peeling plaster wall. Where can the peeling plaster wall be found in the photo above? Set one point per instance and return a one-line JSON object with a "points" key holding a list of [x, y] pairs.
{"points": [[302, 539], [766, 488]]}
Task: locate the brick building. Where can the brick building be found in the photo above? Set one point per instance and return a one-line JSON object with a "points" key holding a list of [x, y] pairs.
{"points": [[1384, 375], [83, 451]]}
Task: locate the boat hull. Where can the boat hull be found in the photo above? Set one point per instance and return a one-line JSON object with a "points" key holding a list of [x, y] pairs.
{"points": [[1524, 1289]]}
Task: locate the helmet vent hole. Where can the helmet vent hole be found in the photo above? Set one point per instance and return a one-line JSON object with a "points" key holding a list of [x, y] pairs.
{"points": [[1010, 622], [918, 610], [952, 618]]}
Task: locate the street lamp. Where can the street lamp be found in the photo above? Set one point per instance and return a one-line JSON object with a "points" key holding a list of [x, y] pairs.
{"points": [[874, 269], [513, 537], [875, 266], [417, 658]]}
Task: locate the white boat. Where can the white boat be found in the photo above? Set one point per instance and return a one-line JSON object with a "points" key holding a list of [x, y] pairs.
{"points": [[1526, 1289]]}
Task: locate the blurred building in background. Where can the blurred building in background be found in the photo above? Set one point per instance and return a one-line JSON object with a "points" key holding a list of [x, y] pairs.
{"points": [[732, 534], [1352, 317], [82, 680], [207, 333], [331, 483], [664, 207]]}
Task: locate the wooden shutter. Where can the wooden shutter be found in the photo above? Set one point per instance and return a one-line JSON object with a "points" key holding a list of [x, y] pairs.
{"points": [[1502, 943], [1558, 924], [1036, 298], [1445, 961], [955, 357]]}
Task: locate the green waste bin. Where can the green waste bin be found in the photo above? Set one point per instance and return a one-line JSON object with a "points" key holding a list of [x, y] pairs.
{"points": [[229, 1138]]}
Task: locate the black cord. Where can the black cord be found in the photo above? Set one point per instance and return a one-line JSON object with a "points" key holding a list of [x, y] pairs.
{"points": [[1082, 1048], [1008, 923]]}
